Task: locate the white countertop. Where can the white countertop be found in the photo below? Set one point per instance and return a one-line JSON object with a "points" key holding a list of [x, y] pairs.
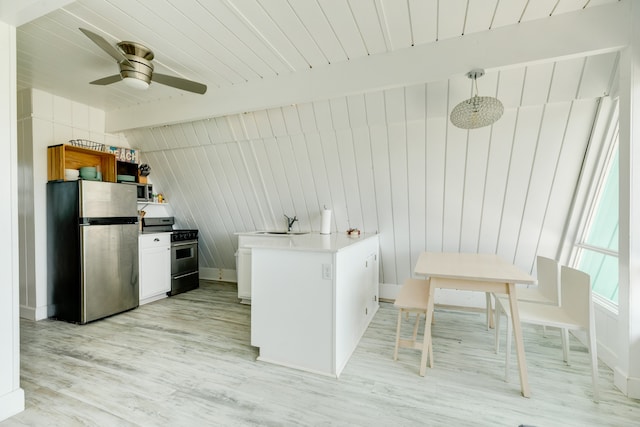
{"points": [[313, 241]]}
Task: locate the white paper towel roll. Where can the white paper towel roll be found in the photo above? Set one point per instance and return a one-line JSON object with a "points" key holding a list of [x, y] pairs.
{"points": [[325, 226]]}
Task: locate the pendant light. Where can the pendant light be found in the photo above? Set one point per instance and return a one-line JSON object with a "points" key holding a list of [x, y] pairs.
{"points": [[477, 111]]}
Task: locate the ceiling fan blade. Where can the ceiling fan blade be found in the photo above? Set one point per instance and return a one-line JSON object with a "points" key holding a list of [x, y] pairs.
{"points": [[179, 83], [107, 80], [107, 47]]}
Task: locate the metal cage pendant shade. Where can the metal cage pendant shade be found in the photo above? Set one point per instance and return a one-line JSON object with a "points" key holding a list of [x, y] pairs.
{"points": [[477, 111]]}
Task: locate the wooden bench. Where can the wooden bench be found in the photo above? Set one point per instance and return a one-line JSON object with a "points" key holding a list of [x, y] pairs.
{"points": [[412, 298]]}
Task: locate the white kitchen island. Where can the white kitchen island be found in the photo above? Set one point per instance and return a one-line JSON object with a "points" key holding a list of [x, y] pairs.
{"points": [[312, 298]]}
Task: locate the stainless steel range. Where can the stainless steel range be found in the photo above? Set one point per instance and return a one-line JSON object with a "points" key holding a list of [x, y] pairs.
{"points": [[184, 253], [184, 261]]}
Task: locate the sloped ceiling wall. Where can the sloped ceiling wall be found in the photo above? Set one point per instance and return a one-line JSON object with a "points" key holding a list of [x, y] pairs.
{"points": [[391, 162]]}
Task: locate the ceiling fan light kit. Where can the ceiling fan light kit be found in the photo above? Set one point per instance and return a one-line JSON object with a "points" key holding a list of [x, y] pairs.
{"points": [[477, 111], [135, 83], [136, 69]]}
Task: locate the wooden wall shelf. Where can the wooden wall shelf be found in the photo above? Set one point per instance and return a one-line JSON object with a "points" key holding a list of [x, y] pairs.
{"points": [[63, 156]]}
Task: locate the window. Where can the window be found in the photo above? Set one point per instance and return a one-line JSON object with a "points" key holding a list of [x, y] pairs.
{"points": [[598, 252]]}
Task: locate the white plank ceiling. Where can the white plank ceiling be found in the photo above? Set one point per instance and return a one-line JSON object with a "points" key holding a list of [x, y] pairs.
{"points": [[385, 159]]}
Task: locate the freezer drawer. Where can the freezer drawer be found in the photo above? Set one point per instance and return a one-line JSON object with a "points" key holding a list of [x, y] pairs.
{"points": [[110, 270]]}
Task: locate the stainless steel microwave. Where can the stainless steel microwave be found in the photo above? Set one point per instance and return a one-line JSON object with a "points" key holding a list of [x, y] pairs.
{"points": [[145, 191]]}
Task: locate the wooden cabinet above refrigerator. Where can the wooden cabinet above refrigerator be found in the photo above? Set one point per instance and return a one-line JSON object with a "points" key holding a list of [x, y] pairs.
{"points": [[63, 156]]}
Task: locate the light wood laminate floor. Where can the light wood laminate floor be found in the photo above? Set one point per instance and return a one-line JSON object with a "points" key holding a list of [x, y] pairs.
{"points": [[187, 361]]}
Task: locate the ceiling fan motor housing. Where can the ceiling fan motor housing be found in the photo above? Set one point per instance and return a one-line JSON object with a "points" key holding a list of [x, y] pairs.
{"points": [[140, 58]]}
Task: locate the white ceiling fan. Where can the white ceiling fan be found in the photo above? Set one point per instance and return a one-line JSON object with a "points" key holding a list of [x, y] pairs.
{"points": [[136, 69]]}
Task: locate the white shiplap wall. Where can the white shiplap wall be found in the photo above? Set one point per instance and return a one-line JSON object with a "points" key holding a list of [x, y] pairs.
{"points": [[390, 161]]}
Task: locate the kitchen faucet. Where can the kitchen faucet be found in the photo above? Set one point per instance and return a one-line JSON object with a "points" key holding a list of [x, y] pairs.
{"points": [[290, 222]]}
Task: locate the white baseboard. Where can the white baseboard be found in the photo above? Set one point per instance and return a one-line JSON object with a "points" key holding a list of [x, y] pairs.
{"points": [[153, 298], [32, 313], [27, 312], [388, 291], [11, 404], [628, 385], [219, 274]]}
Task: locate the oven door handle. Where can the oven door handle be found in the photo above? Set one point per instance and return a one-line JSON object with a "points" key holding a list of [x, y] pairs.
{"points": [[176, 244]]}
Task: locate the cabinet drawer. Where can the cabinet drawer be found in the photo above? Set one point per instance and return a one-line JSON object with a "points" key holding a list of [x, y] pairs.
{"points": [[154, 240]]}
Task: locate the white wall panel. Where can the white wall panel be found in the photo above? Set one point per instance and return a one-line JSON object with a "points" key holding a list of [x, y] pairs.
{"points": [[274, 207], [455, 161], [424, 21], [435, 166], [339, 114], [536, 84], [565, 84], [213, 133], [207, 244], [307, 186], [511, 87], [496, 181], [524, 145], [543, 173], [451, 18], [508, 12], [249, 127], [416, 187], [274, 151], [474, 189], [311, 16], [296, 195], [366, 183], [297, 34], [254, 186], [276, 122], [322, 114], [538, 9], [225, 133], [370, 24], [291, 120], [258, 52], [344, 24], [397, 140], [349, 175], [479, 15], [574, 145], [269, 30], [396, 20], [592, 82], [340, 217]]}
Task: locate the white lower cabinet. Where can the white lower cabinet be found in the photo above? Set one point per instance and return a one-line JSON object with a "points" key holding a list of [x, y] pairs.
{"points": [[154, 260], [309, 308], [243, 271]]}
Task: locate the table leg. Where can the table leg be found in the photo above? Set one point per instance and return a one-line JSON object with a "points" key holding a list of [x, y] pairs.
{"points": [[517, 332], [427, 332]]}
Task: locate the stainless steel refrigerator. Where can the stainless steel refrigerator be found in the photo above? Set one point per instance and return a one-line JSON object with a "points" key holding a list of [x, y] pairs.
{"points": [[92, 245]]}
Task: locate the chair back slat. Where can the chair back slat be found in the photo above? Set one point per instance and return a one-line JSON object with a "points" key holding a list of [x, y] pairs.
{"points": [[548, 271], [575, 287]]}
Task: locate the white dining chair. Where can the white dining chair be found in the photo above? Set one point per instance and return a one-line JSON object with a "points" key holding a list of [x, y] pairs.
{"points": [[547, 291], [412, 298], [575, 313]]}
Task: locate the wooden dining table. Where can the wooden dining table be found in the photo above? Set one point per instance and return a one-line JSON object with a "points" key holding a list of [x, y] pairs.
{"points": [[474, 272]]}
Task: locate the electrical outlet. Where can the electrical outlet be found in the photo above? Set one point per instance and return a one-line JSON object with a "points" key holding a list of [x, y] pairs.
{"points": [[326, 271]]}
